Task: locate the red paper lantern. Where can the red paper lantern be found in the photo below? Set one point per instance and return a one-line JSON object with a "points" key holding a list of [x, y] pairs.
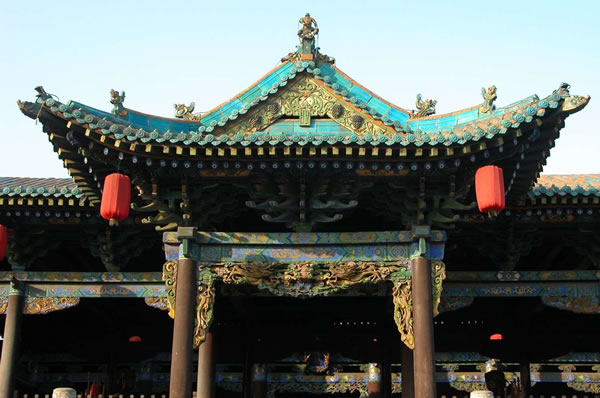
{"points": [[135, 339], [496, 337], [116, 198], [3, 241], [489, 189]]}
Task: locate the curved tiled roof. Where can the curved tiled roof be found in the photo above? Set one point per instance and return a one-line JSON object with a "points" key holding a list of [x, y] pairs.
{"points": [[39, 187], [457, 128], [569, 184]]}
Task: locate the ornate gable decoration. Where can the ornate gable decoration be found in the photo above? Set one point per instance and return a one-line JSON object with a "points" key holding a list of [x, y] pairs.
{"points": [[305, 99]]}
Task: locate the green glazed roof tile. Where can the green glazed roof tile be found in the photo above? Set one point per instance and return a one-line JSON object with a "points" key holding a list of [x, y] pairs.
{"points": [[38, 187], [570, 184]]}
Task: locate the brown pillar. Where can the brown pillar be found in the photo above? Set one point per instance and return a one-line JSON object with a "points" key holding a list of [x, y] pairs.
{"points": [[183, 330], [525, 380], [385, 385], [374, 383], [10, 345], [206, 368], [408, 373], [259, 380], [247, 371], [424, 360]]}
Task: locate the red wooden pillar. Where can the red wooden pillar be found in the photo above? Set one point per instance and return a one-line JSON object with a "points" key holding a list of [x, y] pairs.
{"points": [[259, 380], [10, 345], [408, 373], [206, 387], [374, 383], [183, 330], [525, 379], [424, 352]]}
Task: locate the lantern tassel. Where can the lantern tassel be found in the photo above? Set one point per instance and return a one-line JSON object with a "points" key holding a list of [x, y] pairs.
{"points": [[113, 222]]}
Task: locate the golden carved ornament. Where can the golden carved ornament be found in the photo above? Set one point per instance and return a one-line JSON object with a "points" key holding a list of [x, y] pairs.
{"points": [[402, 298], [468, 386], [169, 276], [160, 303], [308, 96], [205, 300], [3, 305], [403, 302], [44, 305], [584, 387], [306, 278]]}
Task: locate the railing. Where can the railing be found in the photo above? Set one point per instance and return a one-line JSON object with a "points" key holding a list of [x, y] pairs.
{"points": [[530, 396], [17, 395]]}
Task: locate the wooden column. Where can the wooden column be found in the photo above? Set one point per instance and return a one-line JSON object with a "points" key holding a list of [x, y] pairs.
{"points": [[183, 330], [247, 372], [525, 379], [259, 380], [385, 384], [206, 387], [10, 345], [408, 373], [424, 360], [374, 383]]}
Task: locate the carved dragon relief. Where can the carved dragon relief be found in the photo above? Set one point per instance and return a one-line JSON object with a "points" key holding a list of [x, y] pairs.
{"points": [[186, 112], [42, 305], [424, 108], [205, 298], [403, 302], [160, 303], [304, 279]]}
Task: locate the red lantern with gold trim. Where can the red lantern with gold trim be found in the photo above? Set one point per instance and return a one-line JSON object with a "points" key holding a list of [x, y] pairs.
{"points": [[3, 241], [489, 189], [116, 198]]}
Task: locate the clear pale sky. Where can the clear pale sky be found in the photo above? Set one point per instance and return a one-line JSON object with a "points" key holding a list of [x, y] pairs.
{"points": [[163, 53]]}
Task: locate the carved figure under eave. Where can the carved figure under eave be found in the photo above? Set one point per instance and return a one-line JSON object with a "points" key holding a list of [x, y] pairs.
{"points": [[424, 108], [117, 100], [489, 97], [186, 112]]}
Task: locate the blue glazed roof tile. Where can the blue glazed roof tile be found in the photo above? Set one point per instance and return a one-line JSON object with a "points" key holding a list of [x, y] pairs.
{"points": [[464, 126], [570, 184]]}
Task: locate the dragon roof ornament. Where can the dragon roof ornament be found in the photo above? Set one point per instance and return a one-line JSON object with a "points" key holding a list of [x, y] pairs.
{"points": [[424, 108]]}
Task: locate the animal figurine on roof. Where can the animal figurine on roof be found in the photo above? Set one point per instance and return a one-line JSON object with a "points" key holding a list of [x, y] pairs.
{"points": [[117, 100], [185, 112], [489, 96], [424, 108]]}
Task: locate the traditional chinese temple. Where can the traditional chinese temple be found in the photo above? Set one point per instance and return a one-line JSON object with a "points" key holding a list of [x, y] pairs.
{"points": [[305, 238]]}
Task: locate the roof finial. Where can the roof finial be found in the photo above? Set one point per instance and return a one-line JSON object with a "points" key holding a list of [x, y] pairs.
{"points": [[307, 34]]}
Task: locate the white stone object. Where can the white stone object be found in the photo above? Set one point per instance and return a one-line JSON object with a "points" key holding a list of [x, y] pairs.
{"points": [[482, 394], [64, 392]]}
